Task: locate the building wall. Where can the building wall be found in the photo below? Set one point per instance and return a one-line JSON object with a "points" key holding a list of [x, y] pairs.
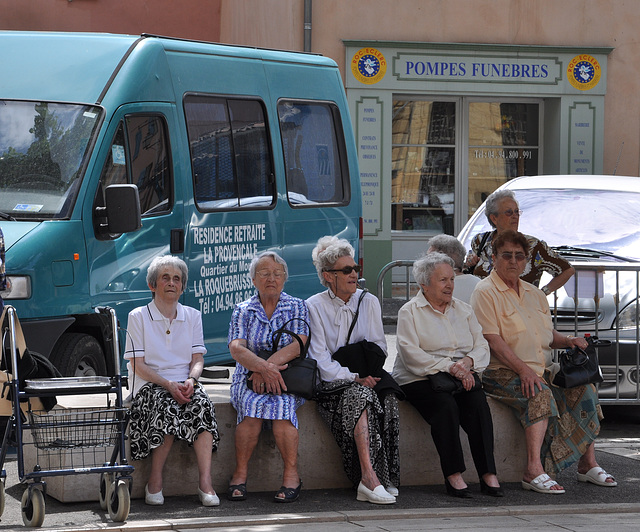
{"points": [[192, 19]]}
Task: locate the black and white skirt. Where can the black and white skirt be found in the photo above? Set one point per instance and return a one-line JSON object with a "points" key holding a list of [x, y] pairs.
{"points": [[155, 413], [340, 404]]}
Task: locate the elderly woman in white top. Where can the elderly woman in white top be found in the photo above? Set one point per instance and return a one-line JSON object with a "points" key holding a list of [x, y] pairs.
{"points": [[440, 339], [365, 429], [165, 348]]}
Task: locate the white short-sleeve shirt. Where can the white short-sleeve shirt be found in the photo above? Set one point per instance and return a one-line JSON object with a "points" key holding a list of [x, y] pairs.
{"points": [[167, 347]]}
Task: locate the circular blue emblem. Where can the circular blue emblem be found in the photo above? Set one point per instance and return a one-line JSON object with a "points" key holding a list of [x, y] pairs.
{"points": [[583, 72], [368, 65]]}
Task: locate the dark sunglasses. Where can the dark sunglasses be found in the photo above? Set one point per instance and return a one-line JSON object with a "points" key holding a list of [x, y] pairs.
{"points": [[347, 269]]}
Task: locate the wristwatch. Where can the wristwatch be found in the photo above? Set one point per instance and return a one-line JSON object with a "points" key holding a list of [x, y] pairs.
{"points": [[195, 381], [546, 290]]}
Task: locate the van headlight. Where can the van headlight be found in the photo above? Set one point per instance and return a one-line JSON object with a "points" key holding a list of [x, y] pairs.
{"points": [[628, 317], [18, 287]]}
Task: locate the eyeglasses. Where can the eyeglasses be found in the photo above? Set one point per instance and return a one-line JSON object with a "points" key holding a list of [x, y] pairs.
{"points": [[278, 274], [508, 255], [347, 269], [510, 212]]}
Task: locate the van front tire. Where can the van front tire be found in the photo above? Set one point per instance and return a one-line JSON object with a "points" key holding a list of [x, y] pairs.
{"points": [[79, 355]]}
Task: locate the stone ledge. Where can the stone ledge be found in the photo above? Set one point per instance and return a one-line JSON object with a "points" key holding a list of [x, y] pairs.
{"points": [[419, 461]]}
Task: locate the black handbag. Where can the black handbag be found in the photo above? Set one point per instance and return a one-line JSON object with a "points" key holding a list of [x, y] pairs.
{"points": [[301, 375], [578, 366], [446, 383]]}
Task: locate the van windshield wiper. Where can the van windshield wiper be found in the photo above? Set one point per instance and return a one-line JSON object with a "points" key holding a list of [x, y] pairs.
{"points": [[586, 252], [6, 216]]}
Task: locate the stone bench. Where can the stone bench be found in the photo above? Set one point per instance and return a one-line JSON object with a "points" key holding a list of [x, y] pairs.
{"points": [[320, 462]]}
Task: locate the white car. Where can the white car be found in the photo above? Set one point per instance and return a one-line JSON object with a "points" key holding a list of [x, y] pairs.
{"points": [[588, 219]]}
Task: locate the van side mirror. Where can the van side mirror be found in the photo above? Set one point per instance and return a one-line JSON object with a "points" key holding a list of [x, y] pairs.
{"points": [[122, 205]]}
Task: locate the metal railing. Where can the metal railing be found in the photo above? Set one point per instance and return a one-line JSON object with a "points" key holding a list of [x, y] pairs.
{"points": [[601, 299]]}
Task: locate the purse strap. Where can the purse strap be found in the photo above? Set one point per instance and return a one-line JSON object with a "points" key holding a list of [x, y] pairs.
{"points": [[304, 347], [355, 317]]}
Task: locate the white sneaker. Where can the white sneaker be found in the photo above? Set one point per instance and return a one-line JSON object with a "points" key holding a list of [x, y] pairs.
{"points": [[208, 499], [153, 499], [378, 496], [392, 490]]}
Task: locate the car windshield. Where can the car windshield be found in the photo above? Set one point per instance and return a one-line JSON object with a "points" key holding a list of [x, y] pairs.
{"points": [[601, 220], [43, 151]]}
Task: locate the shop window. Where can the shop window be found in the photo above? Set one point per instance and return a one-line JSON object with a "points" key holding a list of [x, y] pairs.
{"points": [[314, 154], [230, 153], [503, 144], [423, 166]]}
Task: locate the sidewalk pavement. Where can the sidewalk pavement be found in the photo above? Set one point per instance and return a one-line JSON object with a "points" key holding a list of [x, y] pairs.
{"points": [[584, 507]]}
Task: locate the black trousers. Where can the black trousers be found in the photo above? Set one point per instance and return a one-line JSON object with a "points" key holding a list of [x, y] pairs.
{"points": [[446, 413]]}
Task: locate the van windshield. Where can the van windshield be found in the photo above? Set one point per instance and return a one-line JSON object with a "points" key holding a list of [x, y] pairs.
{"points": [[43, 152]]}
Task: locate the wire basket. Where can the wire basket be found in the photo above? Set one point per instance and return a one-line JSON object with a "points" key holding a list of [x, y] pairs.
{"points": [[77, 429]]}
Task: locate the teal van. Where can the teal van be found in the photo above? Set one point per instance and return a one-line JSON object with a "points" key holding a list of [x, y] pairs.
{"points": [[115, 149]]}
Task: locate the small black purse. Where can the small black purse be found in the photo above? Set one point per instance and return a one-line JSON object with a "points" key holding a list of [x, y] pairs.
{"points": [[301, 375], [447, 383], [578, 366]]}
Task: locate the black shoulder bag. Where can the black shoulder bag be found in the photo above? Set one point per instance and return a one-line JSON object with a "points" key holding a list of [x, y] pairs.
{"points": [[301, 375], [578, 366], [367, 358]]}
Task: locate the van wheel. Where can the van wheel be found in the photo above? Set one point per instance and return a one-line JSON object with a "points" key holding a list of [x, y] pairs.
{"points": [[79, 355]]}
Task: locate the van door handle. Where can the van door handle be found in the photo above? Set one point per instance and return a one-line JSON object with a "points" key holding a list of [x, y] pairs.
{"points": [[177, 241]]}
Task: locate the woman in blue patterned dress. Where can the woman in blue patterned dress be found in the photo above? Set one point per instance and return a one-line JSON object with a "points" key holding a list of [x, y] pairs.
{"points": [[252, 325]]}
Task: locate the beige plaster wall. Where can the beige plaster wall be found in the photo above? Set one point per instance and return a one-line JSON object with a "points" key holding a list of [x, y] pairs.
{"points": [[614, 23]]}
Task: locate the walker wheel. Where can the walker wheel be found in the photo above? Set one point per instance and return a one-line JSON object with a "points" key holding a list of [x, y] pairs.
{"points": [[32, 505], [1, 498], [119, 501], [105, 483]]}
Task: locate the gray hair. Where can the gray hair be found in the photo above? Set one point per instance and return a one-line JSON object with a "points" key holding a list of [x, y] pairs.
{"points": [[492, 203], [451, 246], [327, 252], [266, 255], [424, 267], [162, 262]]}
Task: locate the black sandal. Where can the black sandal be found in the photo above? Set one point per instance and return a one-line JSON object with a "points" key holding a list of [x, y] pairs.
{"points": [[290, 494], [242, 488]]}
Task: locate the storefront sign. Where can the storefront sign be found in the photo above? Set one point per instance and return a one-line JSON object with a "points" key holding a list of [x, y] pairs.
{"points": [[581, 132], [369, 139], [434, 67]]}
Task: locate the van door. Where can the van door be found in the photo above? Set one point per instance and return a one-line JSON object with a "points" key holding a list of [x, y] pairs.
{"points": [[137, 150], [234, 213]]}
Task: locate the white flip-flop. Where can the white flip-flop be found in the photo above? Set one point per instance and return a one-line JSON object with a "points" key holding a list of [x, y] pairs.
{"points": [[542, 484], [598, 476]]}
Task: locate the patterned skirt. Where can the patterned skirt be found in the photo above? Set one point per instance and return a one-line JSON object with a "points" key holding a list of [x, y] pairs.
{"points": [[155, 412], [574, 415], [340, 404]]}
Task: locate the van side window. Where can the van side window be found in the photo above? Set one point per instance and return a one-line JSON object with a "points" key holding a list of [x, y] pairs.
{"points": [[230, 153], [314, 153], [140, 155]]}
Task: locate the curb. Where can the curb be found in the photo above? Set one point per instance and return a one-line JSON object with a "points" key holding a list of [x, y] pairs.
{"points": [[350, 517]]}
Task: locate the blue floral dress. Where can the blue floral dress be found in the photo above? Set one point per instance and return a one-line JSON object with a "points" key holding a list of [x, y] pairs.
{"points": [[249, 322]]}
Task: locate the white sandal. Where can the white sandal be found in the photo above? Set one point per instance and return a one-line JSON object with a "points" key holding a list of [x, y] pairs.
{"points": [[542, 484], [594, 476]]}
